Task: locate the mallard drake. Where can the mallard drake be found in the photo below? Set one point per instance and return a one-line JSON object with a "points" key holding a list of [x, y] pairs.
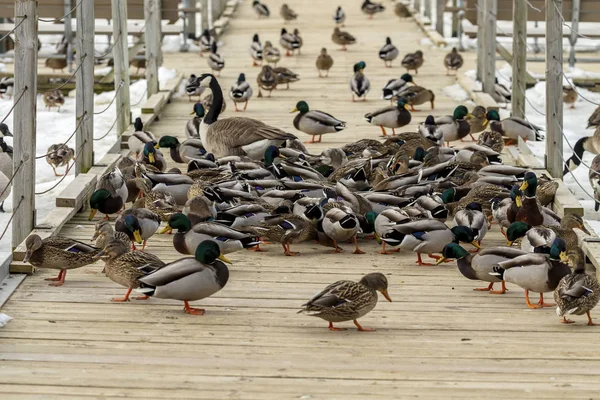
{"points": [[346, 300], [125, 267], [342, 38], [341, 225], [60, 155], [193, 87], [298, 39], [472, 216], [266, 79], [188, 237], [236, 136], [577, 293], [395, 86], [594, 177], [240, 92], [215, 61], [401, 10], [287, 13], [7, 87], [324, 62], [594, 120], [271, 54], [261, 9], [513, 128], [339, 17], [531, 212], [413, 61], [138, 224], [285, 76], [454, 127], [542, 235], [388, 53], [570, 96], [58, 252], [152, 158], [289, 42], [534, 272], [256, 51], [110, 194], [370, 8], [104, 233], [185, 152], [5, 131], [390, 117], [140, 137], [286, 229], [190, 278], [192, 128], [206, 42], [315, 122], [417, 95], [53, 98], [360, 84], [453, 61]]}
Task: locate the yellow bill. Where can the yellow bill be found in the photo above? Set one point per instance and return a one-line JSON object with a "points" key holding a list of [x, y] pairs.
{"points": [[524, 185], [137, 236], [294, 110], [151, 158], [224, 259], [474, 243], [165, 229], [92, 213], [441, 260]]}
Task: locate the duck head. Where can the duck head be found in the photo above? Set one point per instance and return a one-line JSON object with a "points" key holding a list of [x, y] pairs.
{"points": [[178, 221], [516, 230], [150, 151], [377, 281], [491, 115], [271, 153], [558, 251], [133, 226], [529, 185], [168, 141], [407, 78], [208, 252], [464, 234], [198, 110], [452, 251], [461, 112], [138, 125], [402, 103], [301, 106], [96, 200], [33, 243]]}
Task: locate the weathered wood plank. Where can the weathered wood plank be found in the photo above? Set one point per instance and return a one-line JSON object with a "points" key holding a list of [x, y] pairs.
{"points": [[74, 194], [154, 104]]}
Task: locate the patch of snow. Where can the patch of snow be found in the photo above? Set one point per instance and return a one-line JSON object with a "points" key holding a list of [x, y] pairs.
{"points": [[456, 92]]}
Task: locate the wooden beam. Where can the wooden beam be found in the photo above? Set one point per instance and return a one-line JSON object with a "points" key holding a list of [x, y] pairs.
{"points": [[69, 33], [84, 109], [121, 65], [151, 12], [24, 119], [439, 21], [427, 13], [574, 30], [204, 14], [519, 70], [554, 79], [480, 38], [489, 62], [76, 191]]}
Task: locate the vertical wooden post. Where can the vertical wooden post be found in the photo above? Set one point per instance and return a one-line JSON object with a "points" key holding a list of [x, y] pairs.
{"points": [[459, 31], [417, 6], [428, 9], [69, 34], [439, 21], [480, 38], [554, 98], [152, 14], [519, 71], [204, 14], [84, 109], [574, 29], [455, 21], [24, 118], [489, 62], [121, 64]]}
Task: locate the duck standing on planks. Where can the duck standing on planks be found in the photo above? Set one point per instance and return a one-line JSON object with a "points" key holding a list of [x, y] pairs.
{"points": [[315, 122]]}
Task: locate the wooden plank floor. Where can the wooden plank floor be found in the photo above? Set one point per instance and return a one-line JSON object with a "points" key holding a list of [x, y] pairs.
{"points": [[438, 339]]}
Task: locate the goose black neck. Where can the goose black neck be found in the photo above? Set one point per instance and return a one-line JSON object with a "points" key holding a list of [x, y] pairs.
{"points": [[217, 104]]}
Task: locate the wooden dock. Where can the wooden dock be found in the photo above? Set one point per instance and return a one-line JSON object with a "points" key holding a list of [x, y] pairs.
{"points": [[438, 339]]}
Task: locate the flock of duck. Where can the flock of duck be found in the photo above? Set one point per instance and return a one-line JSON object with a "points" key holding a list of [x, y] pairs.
{"points": [[248, 184]]}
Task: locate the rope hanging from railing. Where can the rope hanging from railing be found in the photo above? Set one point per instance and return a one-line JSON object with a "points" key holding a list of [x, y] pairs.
{"points": [[12, 216], [66, 141], [64, 16], [14, 105], [70, 77], [12, 178], [112, 126], [113, 99], [24, 17]]}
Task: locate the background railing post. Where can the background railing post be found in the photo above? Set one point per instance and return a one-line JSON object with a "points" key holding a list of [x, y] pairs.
{"points": [[24, 118], [439, 21], [121, 64], [152, 14], [489, 62], [69, 34], [480, 38], [574, 29], [427, 11], [554, 84], [204, 14], [84, 93], [519, 71]]}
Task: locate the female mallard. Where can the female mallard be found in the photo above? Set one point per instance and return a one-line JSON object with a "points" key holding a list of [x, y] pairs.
{"points": [[298, 39], [256, 51], [341, 225], [125, 267], [473, 217], [138, 224], [285, 76], [388, 53], [570, 96], [185, 152], [140, 137], [152, 158], [58, 63], [236, 136], [215, 61], [477, 120], [594, 120], [58, 252], [289, 42], [493, 140], [53, 98], [188, 237], [324, 62], [192, 128], [287, 13], [206, 42], [413, 61], [271, 54], [453, 61], [193, 87], [286, 229], [190, 278], [342, 38], [395, 86], [535, 272], [401, 10], [104, 233], [160, 203], [360, 84], [346, 300], [370, 8], [390, 117], [315, 122], [60, 155], [577, 293], [200, 209], [207, 102], [538, 236], [531, 212], [417, 95], [339, 17], [594, 177], [514, 127], [261, 9], [454, 127], [240, 92], [266, 79], [110, 195]]}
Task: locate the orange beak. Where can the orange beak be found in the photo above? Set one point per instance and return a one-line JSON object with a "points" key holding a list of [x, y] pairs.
{"points": [[386, 295]]}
